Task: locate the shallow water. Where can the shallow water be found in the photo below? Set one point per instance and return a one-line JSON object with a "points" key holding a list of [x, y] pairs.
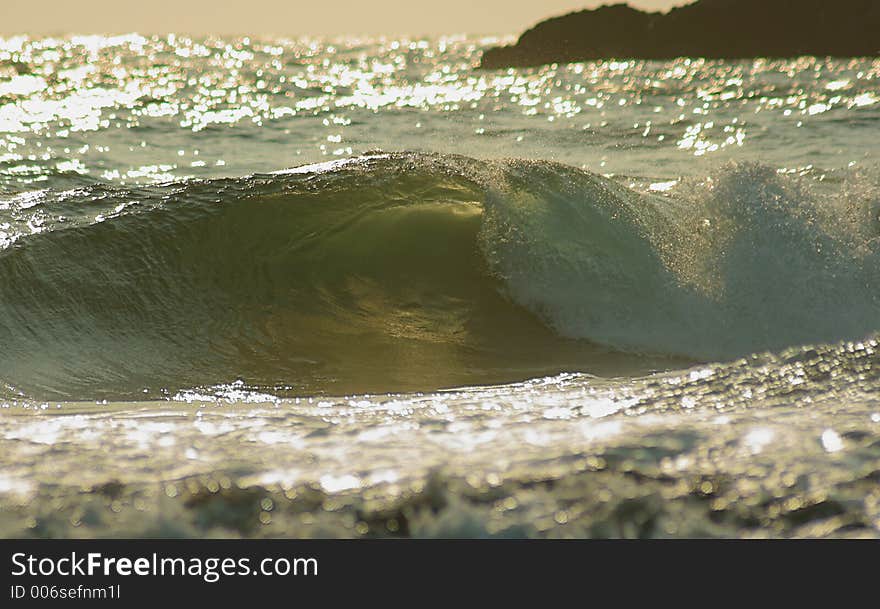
{"points": [[518, 280]]}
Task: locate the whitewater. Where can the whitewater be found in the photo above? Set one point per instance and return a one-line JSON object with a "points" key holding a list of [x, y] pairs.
{"points": [[352, 288]]}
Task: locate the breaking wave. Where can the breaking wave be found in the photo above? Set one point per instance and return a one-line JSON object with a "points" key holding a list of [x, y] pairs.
{"points": [[417, 271]]}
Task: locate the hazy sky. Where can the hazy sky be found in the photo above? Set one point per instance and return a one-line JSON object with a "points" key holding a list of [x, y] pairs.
{"points": [[289, 16]]}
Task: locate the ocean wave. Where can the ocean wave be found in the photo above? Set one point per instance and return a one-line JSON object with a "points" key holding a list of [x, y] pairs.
{"points": [[416, 271]]}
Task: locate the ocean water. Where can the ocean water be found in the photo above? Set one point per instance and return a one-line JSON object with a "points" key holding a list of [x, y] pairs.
{"points": [[357, 287]]}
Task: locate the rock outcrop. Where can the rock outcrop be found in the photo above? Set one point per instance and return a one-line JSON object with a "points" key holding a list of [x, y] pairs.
{"points": [[707, 28]]}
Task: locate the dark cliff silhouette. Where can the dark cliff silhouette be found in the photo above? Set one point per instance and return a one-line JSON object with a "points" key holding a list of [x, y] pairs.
{"points": [[708, 28]]}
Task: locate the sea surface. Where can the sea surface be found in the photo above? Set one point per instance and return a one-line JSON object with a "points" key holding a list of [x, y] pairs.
{"points": [[357, 288]]}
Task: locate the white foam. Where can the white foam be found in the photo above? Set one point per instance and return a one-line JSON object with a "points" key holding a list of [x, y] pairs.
{"points": [[747, 261]]}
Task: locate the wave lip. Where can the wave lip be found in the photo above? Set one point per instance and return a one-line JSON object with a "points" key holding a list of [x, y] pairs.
{"points": [[417, 271]]}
